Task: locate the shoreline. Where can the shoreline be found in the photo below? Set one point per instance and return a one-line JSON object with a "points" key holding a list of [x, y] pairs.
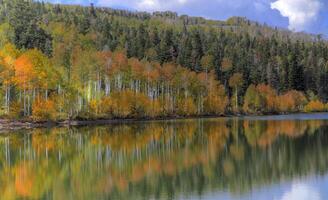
{"points": [[7, 124]]}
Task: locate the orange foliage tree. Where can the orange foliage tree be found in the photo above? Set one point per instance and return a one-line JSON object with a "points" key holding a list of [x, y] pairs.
{"points": [[8, 54], [291, 101], [44, 110], [260, 99]]}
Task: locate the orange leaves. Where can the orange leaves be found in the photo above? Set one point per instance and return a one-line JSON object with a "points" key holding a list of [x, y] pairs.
{"points": [[127, 104], [291, 101], [269, 94], [264, 99], [167, 71], [122, 104], [250, 103], [94, 106], [44, 110], [106, 105], [137, 89], [315, 106], [216, 101], [120, 62], [226, 64], [111, 85], [153, 72], [24, 72], [260, 99], [236, 80], [137, 68], [32, 70], [187, 107], [216, 105], [141, 106], [8, 55]]}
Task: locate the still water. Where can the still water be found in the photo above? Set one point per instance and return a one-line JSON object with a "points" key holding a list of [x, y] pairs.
{"points": [[278, 158]]}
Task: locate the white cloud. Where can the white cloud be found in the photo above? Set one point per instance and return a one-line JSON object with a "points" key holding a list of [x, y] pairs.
{"points": [[159, 4], [299, 12], [145, 5], [148, 4], [301, 191]]}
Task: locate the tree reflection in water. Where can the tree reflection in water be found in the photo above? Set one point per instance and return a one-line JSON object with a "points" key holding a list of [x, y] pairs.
{"points": [[160, 159]]}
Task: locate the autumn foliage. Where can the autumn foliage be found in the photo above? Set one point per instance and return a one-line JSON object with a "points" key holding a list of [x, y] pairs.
{"points": [[264, 99], [260, 99], [315, 106], [44, 110], [109, 85]]}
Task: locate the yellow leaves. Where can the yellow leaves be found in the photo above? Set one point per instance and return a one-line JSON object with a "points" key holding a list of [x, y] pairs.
{"points": [[122, 104], [226, 64], [167, 71], [24, 72], [156, 109], [216, 100], [94, 106], [260, 99], [119, 60], [187, 107], [44, 110], [125, 104], [291, 101], [106, 105], [136, 67], [236, 80], [264, 99], [9, 50], [33, 70], [15, 110], [8, 54], [315, 106], [216, 104], [141, 106]]}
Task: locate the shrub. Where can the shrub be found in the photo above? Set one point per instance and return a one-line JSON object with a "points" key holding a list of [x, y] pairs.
{"points": [[186, 107], [314, 106], [291, 101], [44, 110], [15, 110]]}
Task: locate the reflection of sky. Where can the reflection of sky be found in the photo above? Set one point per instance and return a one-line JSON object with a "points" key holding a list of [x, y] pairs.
{"points": [[302, 191], [312, 188]]}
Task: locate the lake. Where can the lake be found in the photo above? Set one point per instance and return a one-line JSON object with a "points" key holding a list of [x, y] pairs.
{"points": [[273, 157]]}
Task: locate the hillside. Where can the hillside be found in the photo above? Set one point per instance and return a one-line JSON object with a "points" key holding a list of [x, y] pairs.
{"points": [[63, 61]]}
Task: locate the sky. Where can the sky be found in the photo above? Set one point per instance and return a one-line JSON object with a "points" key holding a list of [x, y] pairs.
{"points": [[309, 16]]}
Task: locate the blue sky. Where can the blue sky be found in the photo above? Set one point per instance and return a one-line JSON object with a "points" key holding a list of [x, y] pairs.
{"points": [[297, 15]]}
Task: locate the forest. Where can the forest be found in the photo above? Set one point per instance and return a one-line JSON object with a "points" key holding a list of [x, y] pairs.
{"points": [[60, 62]]}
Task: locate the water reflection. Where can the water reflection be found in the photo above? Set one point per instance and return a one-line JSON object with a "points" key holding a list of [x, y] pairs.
{"points": [[169, 160], [301, 191]]}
